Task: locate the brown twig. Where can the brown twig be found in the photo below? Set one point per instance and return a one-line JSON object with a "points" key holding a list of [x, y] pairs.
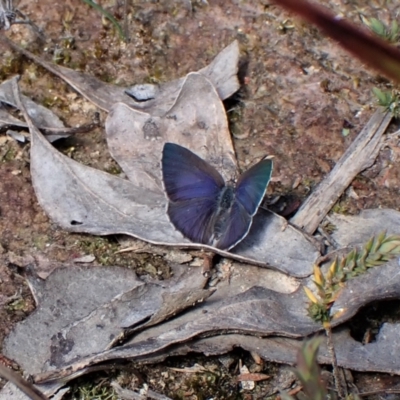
{"points": [[22, 384], [360, 155], [335, 369]]}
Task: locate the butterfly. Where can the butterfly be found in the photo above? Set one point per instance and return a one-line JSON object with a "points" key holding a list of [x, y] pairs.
{"points": [[202, 206]]}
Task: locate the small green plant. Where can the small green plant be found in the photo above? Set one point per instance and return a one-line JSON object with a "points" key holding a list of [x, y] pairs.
{"points": [[376, 251], [96, 392], [390, 33], [309, 373], [390, 100]]}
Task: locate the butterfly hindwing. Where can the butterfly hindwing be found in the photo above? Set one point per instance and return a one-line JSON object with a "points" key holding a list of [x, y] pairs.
{"points": [[192, 218], [236, 227], [252, 185]]}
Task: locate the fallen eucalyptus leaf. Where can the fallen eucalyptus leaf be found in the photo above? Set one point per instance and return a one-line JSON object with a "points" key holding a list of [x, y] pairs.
{"points": [[197, 120], [17, 136], [222, 72], [85, 318], [7, 120], [95, 202], [67, 296], [143, 306], [253, 311], [78, 319], [237, 306], [42, 116], [352, 230], [376, 356], [11, 392], [379, 283]]}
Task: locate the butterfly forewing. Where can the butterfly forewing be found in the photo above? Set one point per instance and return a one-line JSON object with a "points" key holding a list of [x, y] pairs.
{"points": [[252, 184], [193, 188], [186, 176]]}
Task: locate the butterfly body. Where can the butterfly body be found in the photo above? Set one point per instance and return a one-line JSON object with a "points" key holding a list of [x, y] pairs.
{"points": [[202, 206]]}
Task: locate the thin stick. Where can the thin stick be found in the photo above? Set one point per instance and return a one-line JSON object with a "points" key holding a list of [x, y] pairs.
{"points": [[360, 155], [339, 384], [22, 384]]}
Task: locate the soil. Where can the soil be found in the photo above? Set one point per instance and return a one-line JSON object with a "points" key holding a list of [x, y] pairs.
{"points": [[303, 99]]}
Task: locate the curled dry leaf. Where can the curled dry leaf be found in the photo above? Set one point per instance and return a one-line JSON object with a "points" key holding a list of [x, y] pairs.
{"points": [[48, 122], [255, 377], [95, 202], [256, 312], [222, 72], [92, 318], [353, 230]]}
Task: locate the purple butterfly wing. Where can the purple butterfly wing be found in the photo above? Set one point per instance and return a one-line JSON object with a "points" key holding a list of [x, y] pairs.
{"points": [[250, 190], [193, 188], [252, 185], [236, 227], [186, 176], [193, 218]]}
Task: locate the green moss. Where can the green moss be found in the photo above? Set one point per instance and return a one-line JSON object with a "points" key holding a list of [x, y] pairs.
{"points": [[208, 385], [114, 169], [11, 64], [148, 264], [17, 305], [235, 117], [308, 183], [103, 248], [329, 227], [98, 389], [41, 241], [97, 393], [8, 153], [61, 56], [340, 208], [156, 75]]}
